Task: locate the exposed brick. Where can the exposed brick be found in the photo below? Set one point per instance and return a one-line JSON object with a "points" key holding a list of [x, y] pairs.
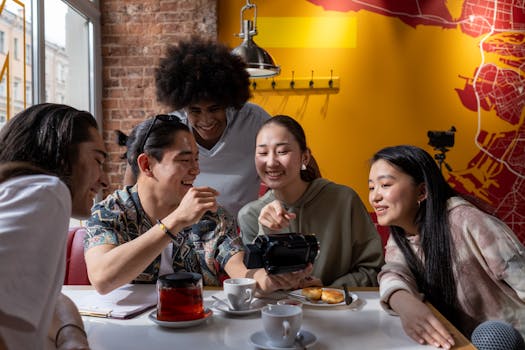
{"points": [[135, 34]]}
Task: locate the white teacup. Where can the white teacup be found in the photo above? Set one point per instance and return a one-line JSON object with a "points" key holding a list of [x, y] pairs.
{"points": [[281, 324], [239, 292]]}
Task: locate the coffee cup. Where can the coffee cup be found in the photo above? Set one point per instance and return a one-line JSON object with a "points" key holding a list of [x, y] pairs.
{"points": [[179, 297], [281, 324], [239, 292]]}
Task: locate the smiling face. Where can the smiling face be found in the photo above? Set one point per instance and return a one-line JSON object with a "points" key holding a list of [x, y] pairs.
{"points": [[208, 120], [394, 196], [278, 158], [87, 176], [175, 173]]}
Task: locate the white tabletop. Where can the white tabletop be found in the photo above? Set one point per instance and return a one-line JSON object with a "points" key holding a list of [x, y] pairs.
{"points": [[366, 328]]}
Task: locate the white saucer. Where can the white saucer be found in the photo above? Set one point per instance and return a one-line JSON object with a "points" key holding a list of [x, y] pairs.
{"points": [[256, 306], [180, 324], [259, 340]]}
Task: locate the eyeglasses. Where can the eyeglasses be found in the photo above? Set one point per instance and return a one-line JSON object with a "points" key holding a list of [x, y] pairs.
{"points": [[167, 118]]}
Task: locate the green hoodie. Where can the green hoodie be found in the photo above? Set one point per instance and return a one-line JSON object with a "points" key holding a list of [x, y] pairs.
{"points": [[350, 247]]}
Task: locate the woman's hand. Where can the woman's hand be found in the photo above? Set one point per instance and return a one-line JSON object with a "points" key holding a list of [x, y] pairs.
{"points": [[419, 322], [284, 281], [310, 281], [275, 217]]}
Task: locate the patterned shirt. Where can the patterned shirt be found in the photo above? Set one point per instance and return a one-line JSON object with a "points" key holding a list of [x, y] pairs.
{"points": [[204, 248], [489, 268]]}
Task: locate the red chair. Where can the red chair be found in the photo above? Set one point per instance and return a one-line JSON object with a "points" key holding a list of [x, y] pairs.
{"points": [[263, 189], [76, 271], [383, 231]]}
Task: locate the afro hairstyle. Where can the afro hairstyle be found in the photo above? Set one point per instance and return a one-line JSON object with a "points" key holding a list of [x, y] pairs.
{"points": [[201, 70]]}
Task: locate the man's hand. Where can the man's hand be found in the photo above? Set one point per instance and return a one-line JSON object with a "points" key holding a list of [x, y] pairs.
{"points": [[196, 202], [419, 322], [71, 338], [67, 330]]}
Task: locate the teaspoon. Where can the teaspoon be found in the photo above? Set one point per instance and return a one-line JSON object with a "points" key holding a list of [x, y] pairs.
{"points": [[222, 302]]}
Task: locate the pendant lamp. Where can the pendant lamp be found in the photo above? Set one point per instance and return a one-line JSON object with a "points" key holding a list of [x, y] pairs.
{"points": [[260, 63]]}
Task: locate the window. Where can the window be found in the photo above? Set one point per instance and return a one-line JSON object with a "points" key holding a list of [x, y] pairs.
{"points": [[67, 55], [28, 54], [14, 34], [61, 73], [16, 90], [2, 89], [28, 94], [57, 64], [16, 53], [2, 42]]}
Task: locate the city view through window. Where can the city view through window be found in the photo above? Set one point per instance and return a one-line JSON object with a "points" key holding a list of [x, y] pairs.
{"points": [[66, 50]]}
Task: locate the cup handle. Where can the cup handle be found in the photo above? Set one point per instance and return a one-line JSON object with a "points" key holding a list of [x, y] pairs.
{"points": [[248, 295], [286, 329]]}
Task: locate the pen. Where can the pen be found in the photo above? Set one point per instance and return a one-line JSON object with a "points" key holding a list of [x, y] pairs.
{"points": [[103, 313]]}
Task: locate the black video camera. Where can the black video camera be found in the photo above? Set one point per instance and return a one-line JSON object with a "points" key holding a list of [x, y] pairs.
{"points": [[441, 139], [281, 253]]}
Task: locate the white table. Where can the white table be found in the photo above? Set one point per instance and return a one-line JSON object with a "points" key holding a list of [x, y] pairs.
{"points": [[367, 328]]}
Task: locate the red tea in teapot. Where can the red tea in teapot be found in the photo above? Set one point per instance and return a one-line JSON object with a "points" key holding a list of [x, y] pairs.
{"points": [[179, 297]]}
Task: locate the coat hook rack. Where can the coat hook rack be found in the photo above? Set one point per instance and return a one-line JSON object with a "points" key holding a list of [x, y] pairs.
{"points": [[311, 84]]}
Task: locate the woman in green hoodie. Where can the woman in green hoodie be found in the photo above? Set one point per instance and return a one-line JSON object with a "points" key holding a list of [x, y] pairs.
{"points": [[301, 201]]}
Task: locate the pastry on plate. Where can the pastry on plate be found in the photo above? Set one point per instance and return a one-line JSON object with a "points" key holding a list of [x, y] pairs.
{"points": [[332, 296], [312, 293]]}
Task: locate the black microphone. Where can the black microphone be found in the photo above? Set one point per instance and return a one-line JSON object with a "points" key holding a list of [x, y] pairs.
{"points": [[497, 335]]}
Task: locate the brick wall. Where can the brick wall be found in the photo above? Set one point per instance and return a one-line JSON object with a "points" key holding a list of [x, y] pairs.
{"points": [[135, 34]]}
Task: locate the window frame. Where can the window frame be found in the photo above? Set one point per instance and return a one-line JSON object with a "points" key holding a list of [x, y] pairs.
{"points": [[91, 11]]}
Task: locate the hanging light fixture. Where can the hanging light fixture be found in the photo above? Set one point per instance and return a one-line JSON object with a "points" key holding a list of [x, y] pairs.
{"points": [[260, 63]]}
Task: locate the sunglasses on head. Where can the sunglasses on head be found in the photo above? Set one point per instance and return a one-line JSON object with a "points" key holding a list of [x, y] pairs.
{"points": [[167, 118]]}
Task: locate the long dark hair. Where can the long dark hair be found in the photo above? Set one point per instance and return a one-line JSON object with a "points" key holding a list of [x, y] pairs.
{"points": [[11, 170], [46, 136], [435, 277], [312, 171], [160, 137]]}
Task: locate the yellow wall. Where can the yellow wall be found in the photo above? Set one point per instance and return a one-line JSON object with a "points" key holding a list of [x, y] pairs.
{"points": [[396, 82]]}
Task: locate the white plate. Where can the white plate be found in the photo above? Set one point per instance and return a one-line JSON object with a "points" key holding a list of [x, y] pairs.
{"points": [[257, 305], [297, 294], [259, 340], [180, 324]]}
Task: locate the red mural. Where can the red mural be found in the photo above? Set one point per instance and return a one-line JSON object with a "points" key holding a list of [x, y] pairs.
{"points": [[496, 174]]}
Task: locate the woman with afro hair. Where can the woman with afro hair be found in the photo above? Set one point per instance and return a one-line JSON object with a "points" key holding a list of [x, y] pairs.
{"points": [[208, 88]]}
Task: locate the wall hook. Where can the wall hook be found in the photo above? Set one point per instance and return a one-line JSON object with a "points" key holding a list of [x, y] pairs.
{"points": [[331, 81], [292, 82], [311, 83], [273, 83], [254, 85]]}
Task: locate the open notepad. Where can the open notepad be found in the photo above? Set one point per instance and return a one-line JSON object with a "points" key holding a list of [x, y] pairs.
{"points": [[124, 302]]}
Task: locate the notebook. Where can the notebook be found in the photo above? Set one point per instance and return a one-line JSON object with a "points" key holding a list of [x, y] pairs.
{"points": [[127, 301]]}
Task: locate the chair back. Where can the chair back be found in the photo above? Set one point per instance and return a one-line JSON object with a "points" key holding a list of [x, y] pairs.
{"points": [[76, 271], [384, 231]]}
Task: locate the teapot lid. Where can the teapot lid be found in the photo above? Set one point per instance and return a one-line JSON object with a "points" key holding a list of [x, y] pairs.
{"points": [[181, 278]]}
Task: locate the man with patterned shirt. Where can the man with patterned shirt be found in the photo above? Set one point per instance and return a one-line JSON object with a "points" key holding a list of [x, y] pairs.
{"points": [[164, 224], [204, 247]]}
